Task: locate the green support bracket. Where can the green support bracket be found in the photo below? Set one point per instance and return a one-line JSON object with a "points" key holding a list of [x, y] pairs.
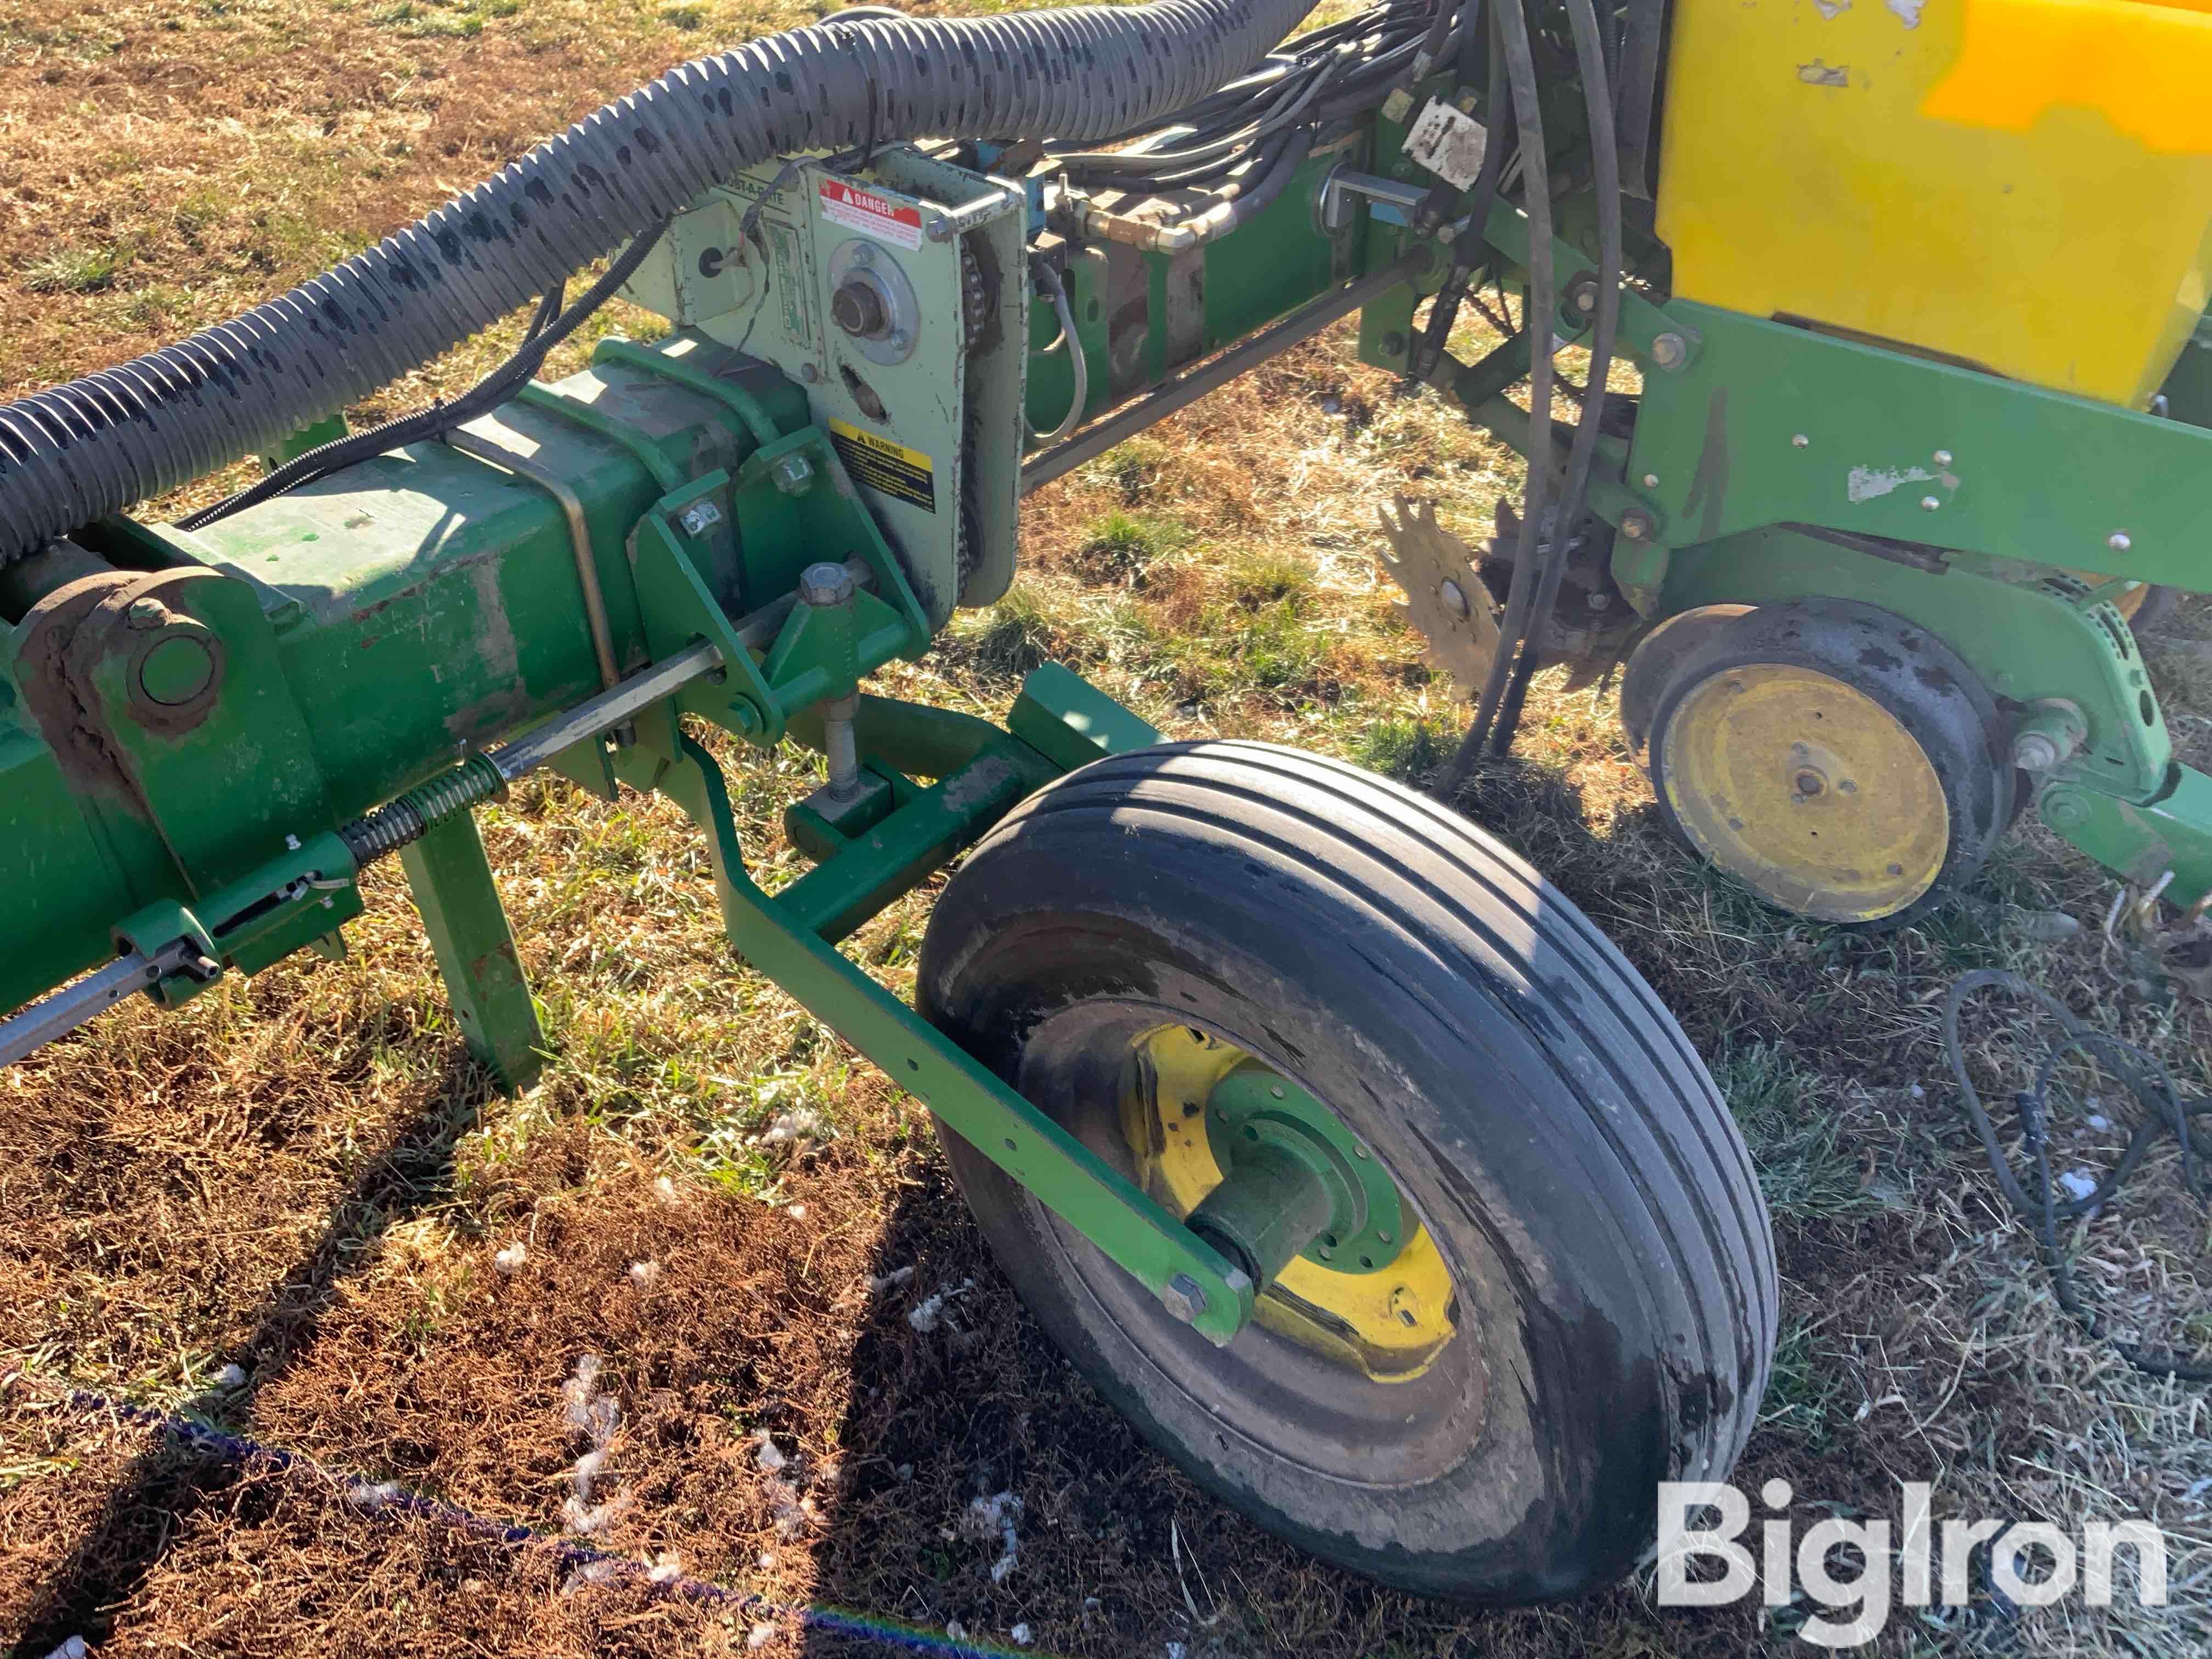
{"points": [[2141, 841], [1096, 1199], [451, 881], [1072, 723]]}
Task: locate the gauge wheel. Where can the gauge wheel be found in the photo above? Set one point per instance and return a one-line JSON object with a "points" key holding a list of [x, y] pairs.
{"points": [[1837, 759], [1549, 1281], [1658, 654]]}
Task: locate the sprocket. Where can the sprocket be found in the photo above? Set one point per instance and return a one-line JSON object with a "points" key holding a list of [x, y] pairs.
{"points": [[1443, 596]]}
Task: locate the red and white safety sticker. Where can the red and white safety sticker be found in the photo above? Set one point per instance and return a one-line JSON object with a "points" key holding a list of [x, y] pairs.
{"points": [[846, 204]]}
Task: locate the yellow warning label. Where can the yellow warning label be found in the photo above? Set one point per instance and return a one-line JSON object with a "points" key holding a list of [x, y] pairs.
{"points": [[887, 468]]}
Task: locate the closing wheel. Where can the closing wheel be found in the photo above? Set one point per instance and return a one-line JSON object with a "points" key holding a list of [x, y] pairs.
{"points": [[1657, 659], [1525, 1273], [1835, 758]]}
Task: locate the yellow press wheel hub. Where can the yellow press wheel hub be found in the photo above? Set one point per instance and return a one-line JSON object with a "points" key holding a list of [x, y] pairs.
{"points": [[1807, 789], [1381, 1305]]}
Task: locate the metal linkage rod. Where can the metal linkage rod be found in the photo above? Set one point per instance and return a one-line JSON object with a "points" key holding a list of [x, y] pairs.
{"points": [[58, 1015]]}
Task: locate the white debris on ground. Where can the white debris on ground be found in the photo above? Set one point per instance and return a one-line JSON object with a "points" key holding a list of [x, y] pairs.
{"points": [[2099, 1120], [665, 1190], [72, 1648], [371, 1495], [2078, 1184], [996, 1516], [596, 1417], [791, 1511], [935, 1309], [1176, 1650], [879, 1283], [1021, 1636], [592, 1572], [759, 1636], [1918, 1092], [642, 1274], [793, 1128], [230, 1377], [667, 1566], [956, 1630], [767, 1561], [796, 1212], [510, 1260]]}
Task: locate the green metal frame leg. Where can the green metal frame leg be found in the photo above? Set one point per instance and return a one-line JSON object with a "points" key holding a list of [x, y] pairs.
{"points": [[452, 886]]}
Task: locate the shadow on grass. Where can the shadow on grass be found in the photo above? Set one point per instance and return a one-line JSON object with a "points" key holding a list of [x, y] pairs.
{"points": [[166, 1485]]}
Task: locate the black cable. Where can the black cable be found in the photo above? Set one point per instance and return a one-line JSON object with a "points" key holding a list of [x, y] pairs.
{"points": [[1567, 520], [1536, 192], [548, 326], [2166, 1112]]}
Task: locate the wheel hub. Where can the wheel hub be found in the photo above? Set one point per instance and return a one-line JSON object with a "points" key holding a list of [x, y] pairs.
{"points": [[1808, 790], [1262, 1169]]}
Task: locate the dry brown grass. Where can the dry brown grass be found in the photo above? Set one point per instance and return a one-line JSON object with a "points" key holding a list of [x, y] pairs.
{"points": [[303, 1175]]}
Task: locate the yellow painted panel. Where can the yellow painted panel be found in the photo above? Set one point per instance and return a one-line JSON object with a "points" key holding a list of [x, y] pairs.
{"points": [[2022, 184]]}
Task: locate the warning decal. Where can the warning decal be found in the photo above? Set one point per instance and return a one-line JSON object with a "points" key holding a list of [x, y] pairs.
{"points": [[887, 468], [846, 204]]}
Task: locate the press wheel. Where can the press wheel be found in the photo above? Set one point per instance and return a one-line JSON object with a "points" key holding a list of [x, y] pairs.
{"points": [[1835, 758], [1544, 1281]]}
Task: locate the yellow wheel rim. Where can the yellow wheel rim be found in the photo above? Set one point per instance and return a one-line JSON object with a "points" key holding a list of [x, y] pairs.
{"points": [[1389, 1323], [1807, 789]]}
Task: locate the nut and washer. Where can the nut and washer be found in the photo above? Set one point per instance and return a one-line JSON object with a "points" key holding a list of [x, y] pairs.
{"points": [[825, 584], [699, 517], [1184, 1298], [1637, 525]]}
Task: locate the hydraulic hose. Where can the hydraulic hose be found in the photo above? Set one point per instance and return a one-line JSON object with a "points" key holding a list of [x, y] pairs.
{"points": [[98, 445]]}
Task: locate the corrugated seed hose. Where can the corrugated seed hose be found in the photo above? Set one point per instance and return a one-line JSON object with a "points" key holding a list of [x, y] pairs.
{"points": [[98, 445]]}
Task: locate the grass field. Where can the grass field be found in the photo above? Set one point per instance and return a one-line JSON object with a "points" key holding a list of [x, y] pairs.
{"points": [[304, 1177]]}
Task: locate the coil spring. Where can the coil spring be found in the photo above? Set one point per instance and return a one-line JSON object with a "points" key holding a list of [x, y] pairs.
{"points": [[409, 818]]}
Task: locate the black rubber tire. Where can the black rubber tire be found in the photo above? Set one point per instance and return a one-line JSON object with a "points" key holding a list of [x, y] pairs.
{"points": [[1657, 659], [1532, 1098], [1911, 672]]}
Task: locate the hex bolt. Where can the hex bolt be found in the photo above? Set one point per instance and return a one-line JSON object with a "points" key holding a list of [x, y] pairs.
{"points": [[699, 517], [1942, 457], [1637, 525], [2034, 751], [1651, 481], [940, 229], [1930, 503], [825, 584], [1669, 350], [2119, 541], [793, 473], [1184, 1298], [1799, 441]]}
